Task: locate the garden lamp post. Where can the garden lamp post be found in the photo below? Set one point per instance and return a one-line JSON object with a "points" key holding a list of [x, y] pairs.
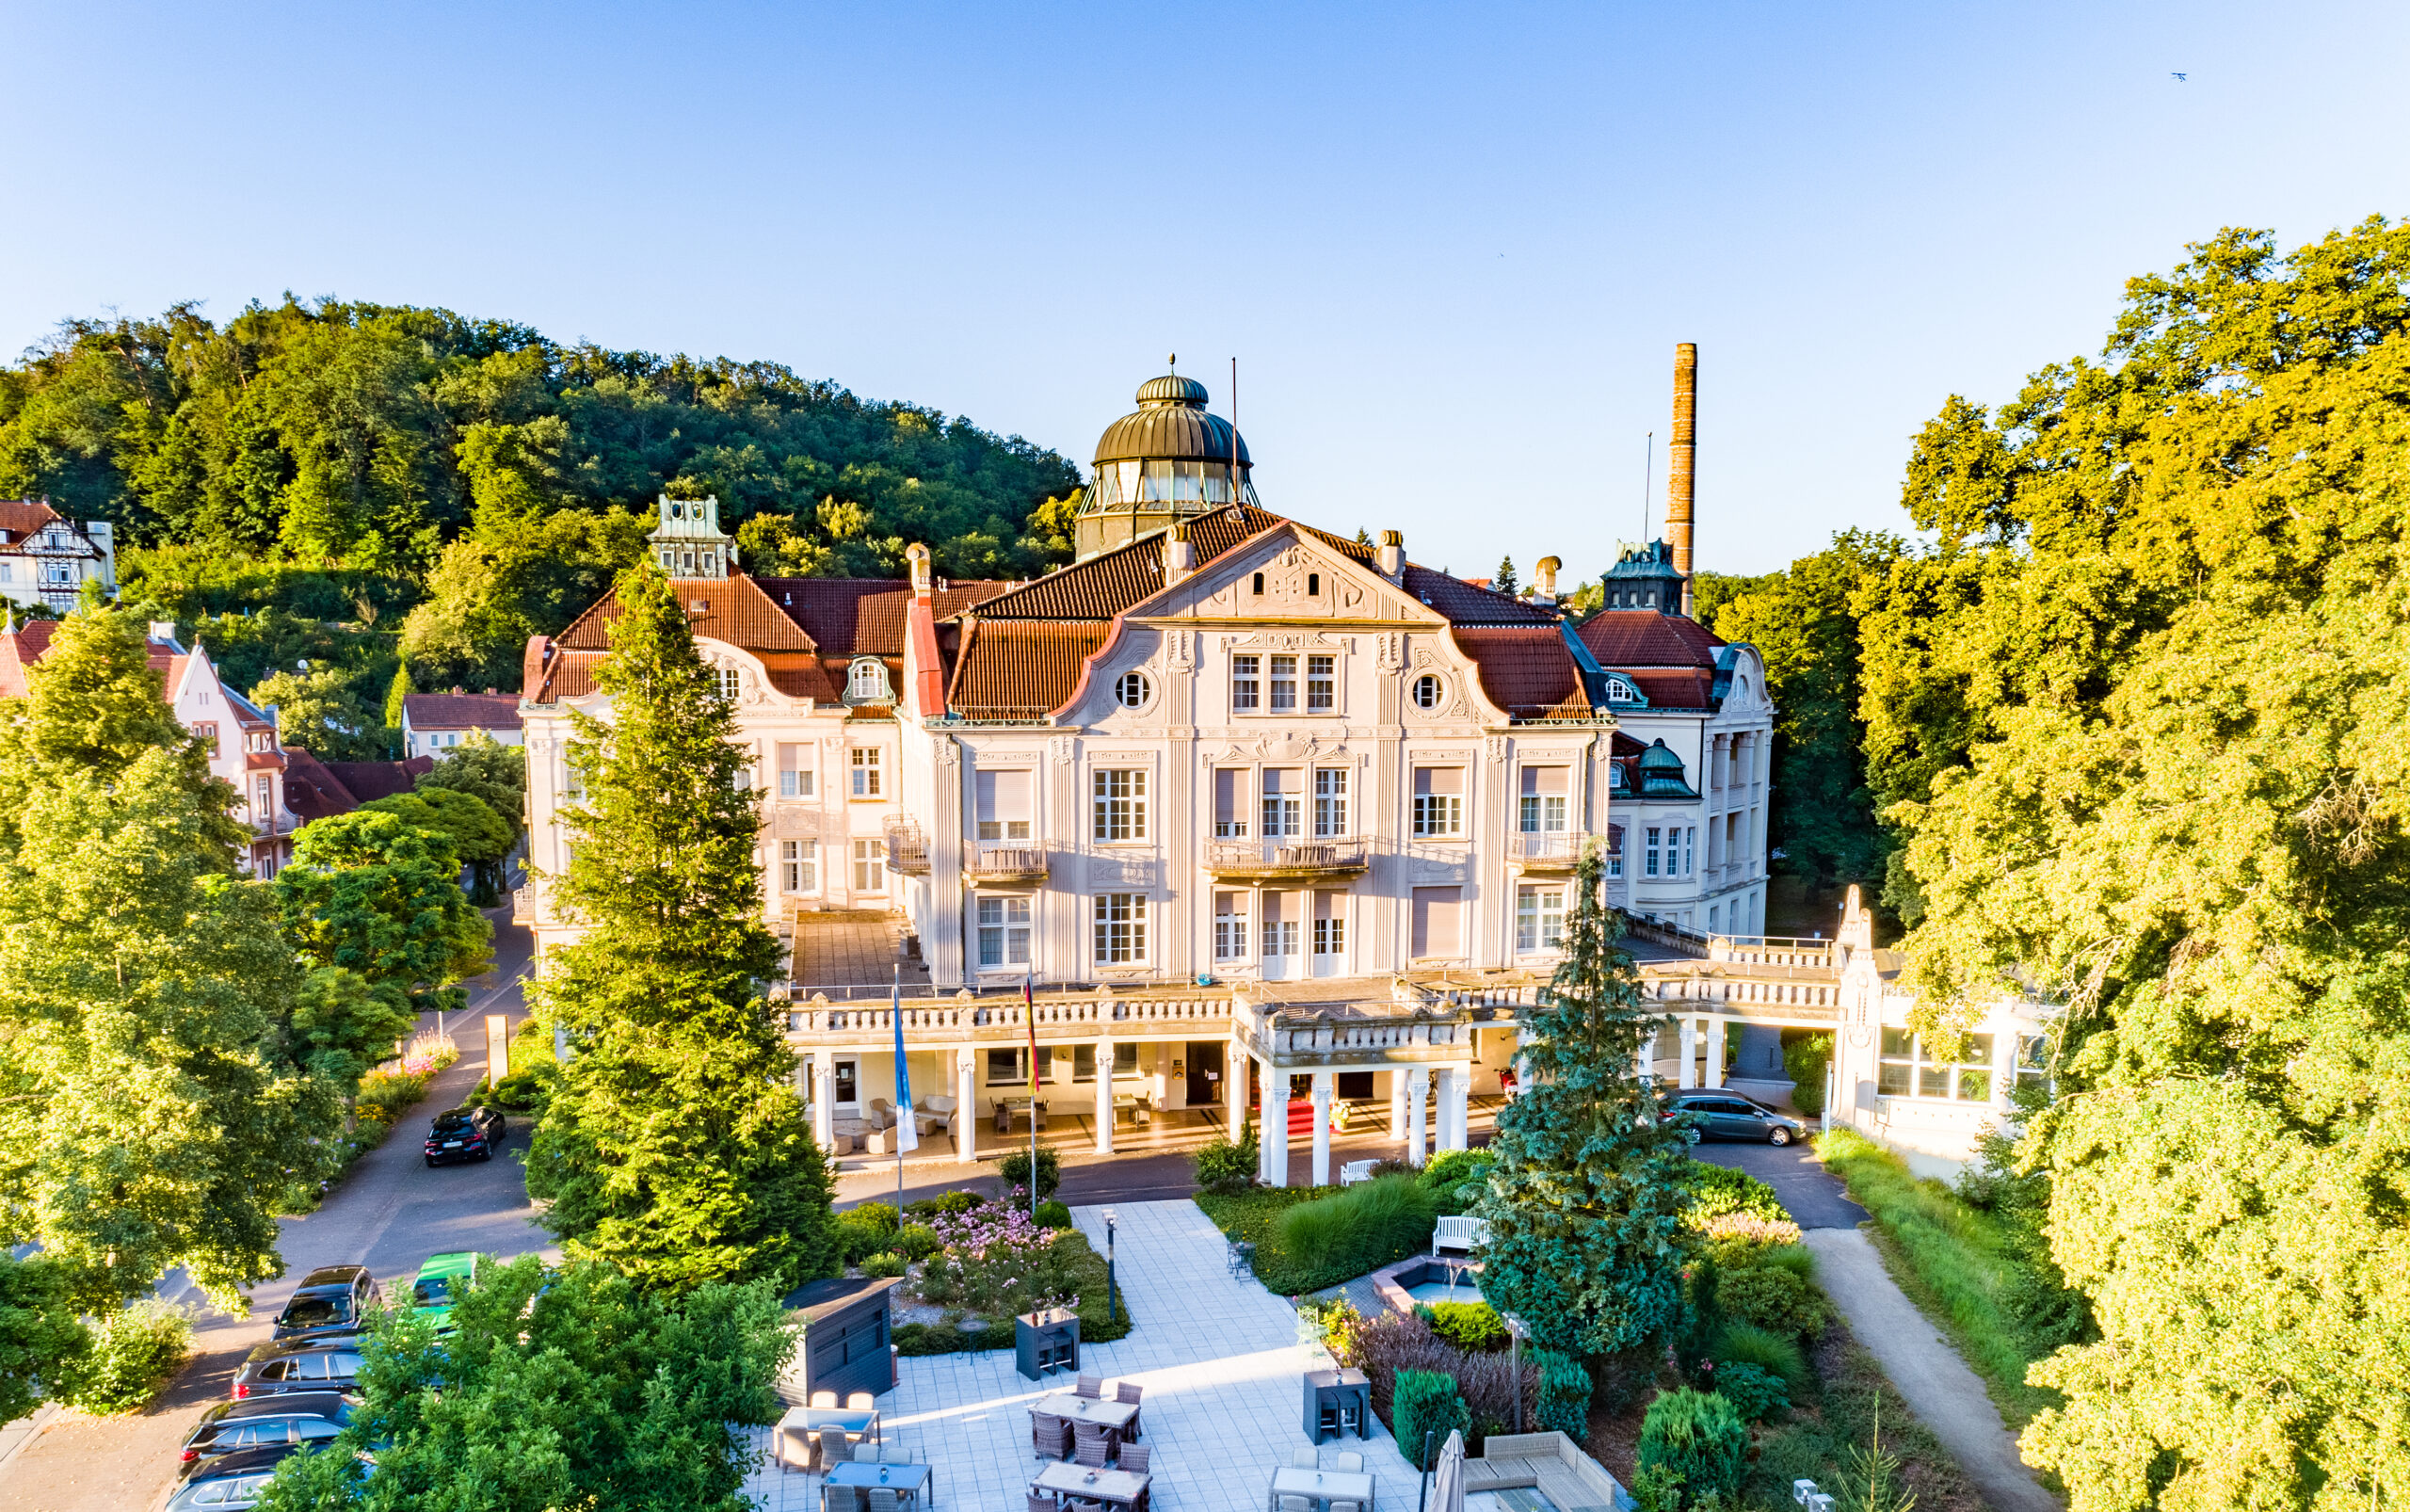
{"points": [[1110, 1315], [1515, 1334]]}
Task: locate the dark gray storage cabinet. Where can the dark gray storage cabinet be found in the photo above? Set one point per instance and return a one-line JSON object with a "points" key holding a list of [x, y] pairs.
{"points": [[847, 1324], [1045, 1342]]}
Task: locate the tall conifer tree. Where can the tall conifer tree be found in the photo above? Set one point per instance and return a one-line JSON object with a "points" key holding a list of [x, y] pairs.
{"points": [[676, 1145], [1586, 1194]]}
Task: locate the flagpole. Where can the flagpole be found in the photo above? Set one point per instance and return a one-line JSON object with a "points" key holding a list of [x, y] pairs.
{"points": [[907, 1127], [1028, 1012]]}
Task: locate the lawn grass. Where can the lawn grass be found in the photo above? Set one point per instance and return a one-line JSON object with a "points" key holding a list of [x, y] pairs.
{"points": [[1254, 1218], [1951, 1262]]}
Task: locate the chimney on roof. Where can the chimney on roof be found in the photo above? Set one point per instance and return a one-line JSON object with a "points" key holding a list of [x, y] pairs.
{"points": [[1180, 553], [163, 630], [1682, 455], [1544, 581], [1390, 555], [917, 556]]}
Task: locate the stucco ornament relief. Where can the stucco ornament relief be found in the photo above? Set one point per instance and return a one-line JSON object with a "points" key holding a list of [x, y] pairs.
{"points": [[1061, 748]]}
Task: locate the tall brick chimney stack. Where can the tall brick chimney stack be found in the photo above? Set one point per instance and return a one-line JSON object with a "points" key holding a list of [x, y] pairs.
{"points": [[1681, 481]]}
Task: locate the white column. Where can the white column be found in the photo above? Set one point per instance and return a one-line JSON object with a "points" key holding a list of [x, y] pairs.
{"points": [[966, 1113], [1689, 1075], [1276, 1126], [1418, 1084], [1397, 1106], [1455, 1085], [824, 1098], [1235, 1062], [1322, 1128], [1104, 1098], [1715, 1052]]}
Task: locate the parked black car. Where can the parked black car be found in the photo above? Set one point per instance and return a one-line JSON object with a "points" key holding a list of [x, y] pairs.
{"points": [[281, 1366], [231, 1481], [1722, 1114], [331, 1300], [288, 1418], [465, 1133]]}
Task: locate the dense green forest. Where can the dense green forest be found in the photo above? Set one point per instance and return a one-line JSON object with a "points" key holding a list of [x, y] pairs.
{"points": [[348, 485]]}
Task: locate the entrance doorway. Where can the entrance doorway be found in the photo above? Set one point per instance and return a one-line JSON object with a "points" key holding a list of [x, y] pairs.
{"points": [[1204, 1072], [846, 1097]]}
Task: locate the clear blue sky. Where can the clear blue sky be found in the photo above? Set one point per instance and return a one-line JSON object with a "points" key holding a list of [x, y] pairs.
{"points": [[1452, 247]]}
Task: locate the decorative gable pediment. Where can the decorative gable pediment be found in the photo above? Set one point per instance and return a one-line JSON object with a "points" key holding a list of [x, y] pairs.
{"points": [[1283, 575]]}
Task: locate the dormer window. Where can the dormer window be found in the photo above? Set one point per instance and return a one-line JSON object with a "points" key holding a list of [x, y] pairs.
{"points": [[866, 682]]}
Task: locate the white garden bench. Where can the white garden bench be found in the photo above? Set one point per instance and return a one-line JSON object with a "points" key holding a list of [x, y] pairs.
{"points": [[1356, 1170], [1460, 1233]]}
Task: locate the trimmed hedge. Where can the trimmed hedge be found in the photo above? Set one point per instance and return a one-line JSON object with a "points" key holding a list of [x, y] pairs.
{"points": [[1426, 1402], [1700, 1437], [1562, 1402]]}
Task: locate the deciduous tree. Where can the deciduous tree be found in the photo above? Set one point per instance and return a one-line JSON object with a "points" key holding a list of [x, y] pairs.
{"points": [[372, 894]]}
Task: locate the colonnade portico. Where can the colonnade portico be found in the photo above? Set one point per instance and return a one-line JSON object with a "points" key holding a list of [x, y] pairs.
{"points": [[1416, 1104]]}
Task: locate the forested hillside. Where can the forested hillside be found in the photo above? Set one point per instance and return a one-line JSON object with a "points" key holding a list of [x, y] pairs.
{"points": [[367, 482]]}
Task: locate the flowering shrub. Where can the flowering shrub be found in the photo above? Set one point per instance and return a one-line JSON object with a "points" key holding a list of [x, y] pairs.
{"points": [[1758, 1230], [995, 1260], [427, 1054]]}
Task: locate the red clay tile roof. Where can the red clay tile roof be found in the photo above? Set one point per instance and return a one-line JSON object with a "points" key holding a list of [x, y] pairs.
{"points": [[1526, 670], [1674, 689], [732, 609], [371, 780], [31, 643], [1648, 637], [20, 518], [462, 711], [311, 791], [864, 616], [1009, 668]]}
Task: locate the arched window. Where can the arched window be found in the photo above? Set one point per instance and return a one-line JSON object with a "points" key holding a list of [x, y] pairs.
{"points": [[867, 682]]}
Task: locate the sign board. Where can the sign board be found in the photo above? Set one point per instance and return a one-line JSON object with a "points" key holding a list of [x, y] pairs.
{"points": [[497, 1048]]}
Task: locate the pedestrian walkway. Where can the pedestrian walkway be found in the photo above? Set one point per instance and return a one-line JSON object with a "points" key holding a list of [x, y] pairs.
{"points": [[1218, 1356], [1936, 1384]]}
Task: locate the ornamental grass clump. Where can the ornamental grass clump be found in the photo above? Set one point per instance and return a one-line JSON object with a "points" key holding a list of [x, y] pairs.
{"points": [[1355, 1230]]}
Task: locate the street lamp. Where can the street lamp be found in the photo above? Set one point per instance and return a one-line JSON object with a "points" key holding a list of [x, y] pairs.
{"points": [[1110, 1313]]}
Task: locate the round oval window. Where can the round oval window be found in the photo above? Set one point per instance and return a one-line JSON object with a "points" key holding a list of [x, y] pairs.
{"points": [[1132, 689], [1427, 692]]}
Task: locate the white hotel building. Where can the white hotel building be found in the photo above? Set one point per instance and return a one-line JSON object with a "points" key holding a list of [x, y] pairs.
{"points": [[1267, 815]]}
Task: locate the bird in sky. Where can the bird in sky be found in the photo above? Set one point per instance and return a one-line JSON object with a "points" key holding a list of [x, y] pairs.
{"points": [[2177, 77]]}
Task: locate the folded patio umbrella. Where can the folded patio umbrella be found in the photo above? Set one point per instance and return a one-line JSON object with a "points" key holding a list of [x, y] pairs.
{"points": [[1448, 1483]]}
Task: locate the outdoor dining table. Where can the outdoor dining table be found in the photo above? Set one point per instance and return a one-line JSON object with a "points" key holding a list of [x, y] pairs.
{"points": [[1324, 1486], [857, 1421], [1092, 1410], [907, 1481], [1060, 1479]]}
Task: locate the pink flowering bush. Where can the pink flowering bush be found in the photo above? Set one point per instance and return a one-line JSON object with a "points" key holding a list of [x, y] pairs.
{"points": [[993, 1260]]}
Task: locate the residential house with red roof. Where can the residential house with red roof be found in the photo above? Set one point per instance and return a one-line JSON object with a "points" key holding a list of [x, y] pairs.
{"points": [[45, 558], [433, 723]]}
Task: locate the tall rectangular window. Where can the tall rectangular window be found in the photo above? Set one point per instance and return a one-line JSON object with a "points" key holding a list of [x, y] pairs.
{"points": [[263, 798], [1229, 804], [866, 773], [208, 736], [2033, 1057], [1322, 685], [1330, 924], [795, 773], [1284, 803], [1120, 803], [1279, 925], [1437, 931], [870, 865], [1284, 684], [1229, 926], [1246, 683], [1655, 837], [1331, 801], [1439, 802], [1540, 918], [1003, 931], [1544, 807], [798, 865], [1690, 850], [1004, 805], [1911, 1067], [1120, 929]]}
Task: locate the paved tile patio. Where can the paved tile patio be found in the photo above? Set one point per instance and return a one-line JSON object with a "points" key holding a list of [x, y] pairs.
{"points": [[1218, 1358]]}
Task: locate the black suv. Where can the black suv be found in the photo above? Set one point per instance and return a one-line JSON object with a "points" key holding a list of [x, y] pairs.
{"points": [[465, 1134], [328, 1302], [236, 1479], [1720, 1115], [264, 1422], [297, 1365]]}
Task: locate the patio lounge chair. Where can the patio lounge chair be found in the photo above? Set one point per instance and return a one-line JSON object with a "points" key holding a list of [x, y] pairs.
{"points": [[834, 1450], [884, 1499], [881, 1114], [1043, 1503], [1349, 1461], [938, 1113], [1305, 1459], [1096, 1444], [859, 1400], [1049, 1435], [898, 1455], [865, 1453], [1134, 1457], [824, 1399], [1129, 1391], [1092, 1387]]}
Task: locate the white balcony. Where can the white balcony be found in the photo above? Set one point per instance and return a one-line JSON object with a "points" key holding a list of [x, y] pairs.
{"points": [[1006, 863], [1545, 851], [1287, 860]]}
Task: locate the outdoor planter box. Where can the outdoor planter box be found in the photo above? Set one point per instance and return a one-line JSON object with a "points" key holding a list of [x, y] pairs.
{"points": [[1044, 1342]]}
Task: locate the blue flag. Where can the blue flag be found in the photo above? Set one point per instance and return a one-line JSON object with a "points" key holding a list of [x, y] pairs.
{"points": [[907, 1128]]}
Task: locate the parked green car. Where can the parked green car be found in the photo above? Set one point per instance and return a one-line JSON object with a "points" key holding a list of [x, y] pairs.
{"points": [[440, 1282]]}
